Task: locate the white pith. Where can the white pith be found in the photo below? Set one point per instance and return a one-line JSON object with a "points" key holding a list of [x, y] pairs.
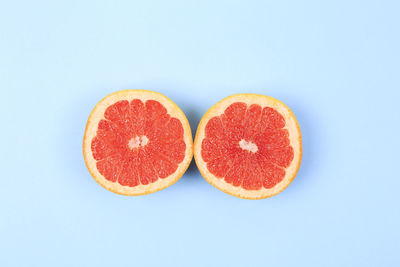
{"points": [[138, 141], [249, 146]]}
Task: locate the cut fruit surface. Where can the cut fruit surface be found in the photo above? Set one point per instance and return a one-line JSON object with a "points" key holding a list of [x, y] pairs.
{"points": [[249, 146], [137, 142]]}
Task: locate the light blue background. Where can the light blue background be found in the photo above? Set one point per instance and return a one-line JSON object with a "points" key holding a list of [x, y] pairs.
{"points": [[334, 63]]}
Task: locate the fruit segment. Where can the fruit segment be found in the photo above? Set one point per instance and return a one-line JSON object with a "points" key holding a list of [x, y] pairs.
{"points": [[142, 151]]}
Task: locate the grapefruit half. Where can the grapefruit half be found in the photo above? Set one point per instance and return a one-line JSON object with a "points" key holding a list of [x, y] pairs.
{"points": [[249, 146], [137, 142]]}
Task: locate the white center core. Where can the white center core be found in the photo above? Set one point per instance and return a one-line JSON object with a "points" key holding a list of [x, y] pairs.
{"points": [[248, 146], [138, 142]]}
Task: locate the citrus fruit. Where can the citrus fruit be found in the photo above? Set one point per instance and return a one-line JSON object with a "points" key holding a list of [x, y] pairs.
{"points": [[249, 146], [137, 142]]}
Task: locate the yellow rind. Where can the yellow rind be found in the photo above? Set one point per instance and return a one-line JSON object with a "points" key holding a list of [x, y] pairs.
{"points": [[96, 115], [249, 99]]}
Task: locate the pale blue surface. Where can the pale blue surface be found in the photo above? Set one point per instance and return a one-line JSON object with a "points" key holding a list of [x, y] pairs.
{"points": [[335, 64]]}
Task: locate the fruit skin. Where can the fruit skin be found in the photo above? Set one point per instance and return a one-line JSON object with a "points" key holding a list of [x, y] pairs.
{"points": [[187, 132], [210, 113]]}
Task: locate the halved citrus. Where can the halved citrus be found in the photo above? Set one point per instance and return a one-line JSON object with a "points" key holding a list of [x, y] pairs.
{"points": [[249, 146], [137, 142]]}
